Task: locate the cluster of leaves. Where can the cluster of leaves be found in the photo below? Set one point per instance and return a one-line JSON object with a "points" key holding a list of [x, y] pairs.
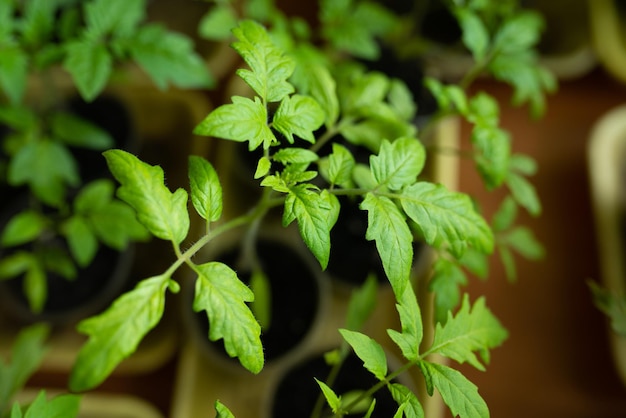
{"points": [[27, 352], [88, 39]]}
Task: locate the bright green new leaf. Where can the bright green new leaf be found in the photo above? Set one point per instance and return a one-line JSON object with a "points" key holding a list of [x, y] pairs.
{"points": [[334, 401], [398, 163], [75, 131], [206, 190], [13, 72], [24, 227], [368, 350], [263, 167], [316, 214], [169, 57], [470, 330], [222, 411], [243, 120], [387, 226], [222, 295], [82, 242], [298, 115], [46, 166], [115, 334], [90, 65], [492, 148], [62, 406], [446, 218], [445, 283], [269, 67], [340, 166], [295, 156], [457, 391], [26, 355], [404, 396], [162, 212], [412, 333]]}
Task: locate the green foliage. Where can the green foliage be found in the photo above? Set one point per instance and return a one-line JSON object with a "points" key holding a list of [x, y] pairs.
{"points": [[61, 406], [611, 304]]}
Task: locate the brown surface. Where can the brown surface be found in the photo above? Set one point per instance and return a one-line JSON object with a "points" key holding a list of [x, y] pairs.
{"points": [[557, 361]]}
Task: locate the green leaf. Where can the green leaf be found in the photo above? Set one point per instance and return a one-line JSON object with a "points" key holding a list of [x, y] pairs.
{"points": [[471, 329], [505, 215], [333, 400], [295, 156], [323, 89], [401, 100], [398, 163], [519, 32], [36, 286], [298, 115], [90, 65], [117, 17], [340, 166], [93, 196], [14, 264], [475, 33], [46, 166], [16, 411], [316, 214], [492, 148], [457, 391], [269, 67], [13, 72], [116, 225], [222, 411], [387, 226], [445, 284], [222, 295], [24, 227], [218, 22], [82, 242], [162, 212], [410, 338], [368, 350], [20, 118], [612, 304], [263, 167], [243, 120], [446, 218], [524, 193], [404, 396], [362, 303], [115, 334], [75, 131], [27, 352], [261, 307], [523, 241], [206, 190], [169, 57], [61, 406]]}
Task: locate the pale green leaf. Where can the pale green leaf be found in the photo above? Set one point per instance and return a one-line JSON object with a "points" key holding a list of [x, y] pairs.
{"points": [[243, 120], [505, 215], [369, 351], [115, 334], [298, 115], [269, 67], [471, 329], [162, 212], [492, 148], [457, 391], [323, 89], [222, 295], [401, 100], [218, 22], [169, 58], [75, 131], [340, 166], [316, 214], [263, 167], [446, 218], [206, 190], [90, 65], [24, 227], [295, 156], [398, 163], [524, 193], [387, 226], [475, 33], [412, 332]]}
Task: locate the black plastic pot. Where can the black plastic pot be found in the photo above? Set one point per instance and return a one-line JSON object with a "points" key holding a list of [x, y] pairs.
{"points": [[297, 296], [297, 391]]}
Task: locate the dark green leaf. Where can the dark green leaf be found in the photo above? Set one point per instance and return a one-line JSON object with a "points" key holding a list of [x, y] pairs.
{"points": [[115, 334], [75, 131], [13, 72]]}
